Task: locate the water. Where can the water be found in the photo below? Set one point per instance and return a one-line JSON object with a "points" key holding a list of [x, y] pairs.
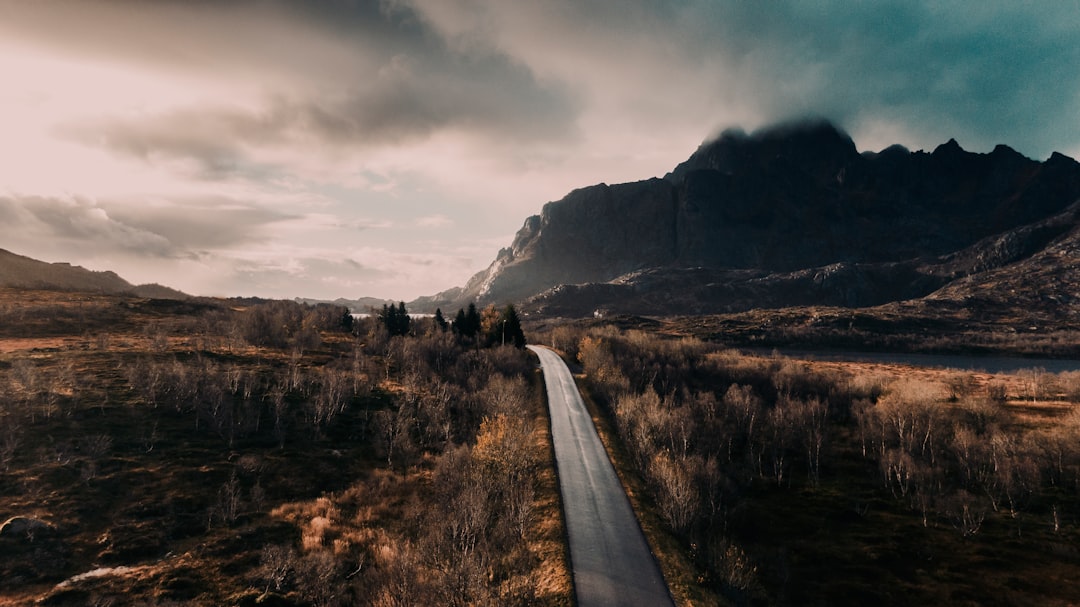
{"points": [[359, 315], [989, 364]]}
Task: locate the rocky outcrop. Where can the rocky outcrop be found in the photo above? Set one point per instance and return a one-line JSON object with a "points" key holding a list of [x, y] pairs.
{"points": [[592, 235], [23, 527], [797, 207]]}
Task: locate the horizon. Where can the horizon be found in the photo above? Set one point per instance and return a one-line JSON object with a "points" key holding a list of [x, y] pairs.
{"points": [[389, 150]]}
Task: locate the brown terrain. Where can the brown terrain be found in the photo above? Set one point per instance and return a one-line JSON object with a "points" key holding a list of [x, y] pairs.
{"points": [[167, 452]]}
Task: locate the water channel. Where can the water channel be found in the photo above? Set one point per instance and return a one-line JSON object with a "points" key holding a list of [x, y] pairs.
{"points": [[989, 364]]}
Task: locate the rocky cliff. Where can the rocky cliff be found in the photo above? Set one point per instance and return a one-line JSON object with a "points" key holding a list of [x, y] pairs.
{"points": [[790, 215]]}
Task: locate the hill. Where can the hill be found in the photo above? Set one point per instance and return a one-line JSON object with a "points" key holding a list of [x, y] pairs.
{"points": [[792, 215], [17, 271]]}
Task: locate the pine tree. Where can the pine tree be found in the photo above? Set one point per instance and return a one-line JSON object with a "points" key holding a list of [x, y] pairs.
{"points": [[472, 321], [403, 320], [396, 319], [439, 320], [459, 322], [511, 328]]}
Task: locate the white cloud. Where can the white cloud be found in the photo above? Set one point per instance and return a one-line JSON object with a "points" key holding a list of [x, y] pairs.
{"points": [[434, 221]]}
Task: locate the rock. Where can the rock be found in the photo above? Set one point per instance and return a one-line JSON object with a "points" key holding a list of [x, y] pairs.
{"points": [[24, 527]]}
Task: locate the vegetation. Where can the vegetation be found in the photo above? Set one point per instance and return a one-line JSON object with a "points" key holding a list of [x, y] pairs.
{"points": [[241, 453], [244, 452], [490, 328], [784, 482], [396, 319]]}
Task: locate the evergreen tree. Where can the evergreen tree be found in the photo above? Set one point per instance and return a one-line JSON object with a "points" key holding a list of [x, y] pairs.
{"points": [[439, 320], [404, 322], [459, 322], [387, 317], [472, 321], [511, 328], [396, 319]]}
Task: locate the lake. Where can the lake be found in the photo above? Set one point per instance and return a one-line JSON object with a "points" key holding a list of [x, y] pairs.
{"points": [[990, 364]]}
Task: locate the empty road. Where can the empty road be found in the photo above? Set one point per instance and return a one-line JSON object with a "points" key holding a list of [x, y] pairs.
{"points": [[610, 558]]}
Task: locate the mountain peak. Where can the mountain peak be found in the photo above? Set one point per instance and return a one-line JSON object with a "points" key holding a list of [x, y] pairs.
{"points": [[820, 130], [814, 145], [948, 149]]}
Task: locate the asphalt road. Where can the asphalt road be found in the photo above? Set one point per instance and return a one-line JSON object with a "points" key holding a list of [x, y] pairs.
{"points": [[610, 558]]}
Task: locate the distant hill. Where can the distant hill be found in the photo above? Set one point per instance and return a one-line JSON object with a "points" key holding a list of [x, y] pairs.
{"points": [[356, 306], [17, 271], [794, 215]]}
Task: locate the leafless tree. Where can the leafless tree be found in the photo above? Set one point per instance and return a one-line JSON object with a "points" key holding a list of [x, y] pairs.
{"points": [[276, 564], [1034, 381], [678, 497]]}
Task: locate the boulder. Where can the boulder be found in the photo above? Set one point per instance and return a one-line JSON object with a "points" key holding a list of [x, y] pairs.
{"points": [[24, 526]]}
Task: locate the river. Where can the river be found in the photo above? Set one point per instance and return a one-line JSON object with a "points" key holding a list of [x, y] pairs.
{"points": [[989, 364]]}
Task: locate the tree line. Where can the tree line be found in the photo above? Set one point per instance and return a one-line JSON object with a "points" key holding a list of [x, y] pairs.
{"points": [[490, 327]]}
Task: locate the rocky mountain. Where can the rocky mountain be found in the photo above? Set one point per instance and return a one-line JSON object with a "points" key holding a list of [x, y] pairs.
{"points": [[790, 215], [17, 271]]}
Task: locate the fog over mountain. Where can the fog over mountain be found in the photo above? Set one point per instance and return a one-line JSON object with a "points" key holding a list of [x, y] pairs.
{"points": [[788, 215]]}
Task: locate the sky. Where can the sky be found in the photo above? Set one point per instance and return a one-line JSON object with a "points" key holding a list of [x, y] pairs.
{"points": [[351, 148]]}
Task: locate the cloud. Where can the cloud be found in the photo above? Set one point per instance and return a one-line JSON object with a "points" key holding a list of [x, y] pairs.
{"points": [[434, 221], [147, 228], [1004, 73], [38, 222], [318, 79], [212, 222]]}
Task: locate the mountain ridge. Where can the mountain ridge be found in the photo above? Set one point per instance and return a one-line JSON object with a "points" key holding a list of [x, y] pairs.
{"points": [[788, 215], [21, 272]]}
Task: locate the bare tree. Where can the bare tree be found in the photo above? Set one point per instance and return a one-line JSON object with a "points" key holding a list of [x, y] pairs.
{"points": [[678, 497], [1034, 382]]}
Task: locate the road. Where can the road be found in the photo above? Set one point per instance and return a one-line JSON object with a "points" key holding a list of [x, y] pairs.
{"points": [[611, 560]]}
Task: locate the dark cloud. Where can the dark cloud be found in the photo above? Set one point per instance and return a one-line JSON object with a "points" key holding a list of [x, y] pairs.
{"points": [[997, 73], [358, 74]]}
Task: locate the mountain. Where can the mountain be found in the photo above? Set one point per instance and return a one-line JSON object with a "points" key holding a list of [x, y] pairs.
{"points": [[17, 271], [356, 306], [790, 215]]}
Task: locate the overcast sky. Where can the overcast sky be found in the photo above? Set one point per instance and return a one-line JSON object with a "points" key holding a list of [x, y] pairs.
{"points": [[365, 148]]}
